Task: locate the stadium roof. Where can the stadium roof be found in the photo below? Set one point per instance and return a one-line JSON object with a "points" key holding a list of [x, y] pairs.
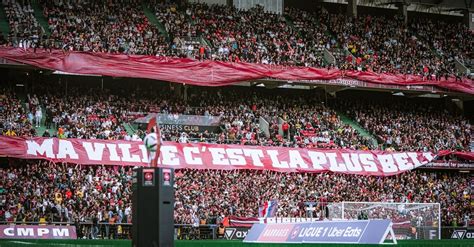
{"points": [[449, 7]]}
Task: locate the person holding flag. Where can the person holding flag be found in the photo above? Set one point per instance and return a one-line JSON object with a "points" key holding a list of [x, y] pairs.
{"points": [[269, 209], [153, 141]]}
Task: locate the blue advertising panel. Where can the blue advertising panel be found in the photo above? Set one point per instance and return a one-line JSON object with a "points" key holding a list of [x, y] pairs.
{"points": [[349, 232]]}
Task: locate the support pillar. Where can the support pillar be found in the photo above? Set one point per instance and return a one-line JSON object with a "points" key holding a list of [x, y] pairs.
{"points": [[352, 8], [402, 10], [469, 19]]}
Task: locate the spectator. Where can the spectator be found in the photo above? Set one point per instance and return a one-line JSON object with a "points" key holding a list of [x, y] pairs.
{"points": [[206, 194]]}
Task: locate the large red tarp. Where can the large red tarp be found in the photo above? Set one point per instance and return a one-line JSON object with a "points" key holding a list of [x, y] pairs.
{"points": [[203, 73], [214, 156]]}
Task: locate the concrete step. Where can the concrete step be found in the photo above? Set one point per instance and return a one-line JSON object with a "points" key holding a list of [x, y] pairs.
{"points": [[363, 132], [4, 26], [40, 17], [150, 14]]}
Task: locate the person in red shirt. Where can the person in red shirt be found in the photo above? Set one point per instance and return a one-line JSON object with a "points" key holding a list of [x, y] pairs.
{"points": [[201, 52], [285, 127], [68, 194], [254, 107]]}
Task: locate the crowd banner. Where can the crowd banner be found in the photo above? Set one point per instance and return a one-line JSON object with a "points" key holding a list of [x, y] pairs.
{"points": [[205, 73], [37, 232], [344, 232], [216, 156]]}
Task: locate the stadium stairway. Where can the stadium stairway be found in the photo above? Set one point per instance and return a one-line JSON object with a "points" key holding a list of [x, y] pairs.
{"points": [[40, 17], [363, 132], [4, 26], [42, 128], [201, 39], [206, 42], [289, 22], [39, 130], [150, 15], [129, 128]]}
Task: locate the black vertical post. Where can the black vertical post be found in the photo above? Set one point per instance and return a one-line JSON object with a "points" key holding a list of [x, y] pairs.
{"points": [[153, 207]]}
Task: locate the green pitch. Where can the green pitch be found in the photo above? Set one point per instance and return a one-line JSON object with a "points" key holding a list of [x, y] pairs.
{"points": [[213, 243]]}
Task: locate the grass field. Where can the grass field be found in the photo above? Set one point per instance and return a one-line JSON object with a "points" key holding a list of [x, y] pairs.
{"points": [[212, 243]]}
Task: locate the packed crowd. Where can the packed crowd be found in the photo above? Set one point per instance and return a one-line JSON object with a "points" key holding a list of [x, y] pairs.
{"points": [[73, 193], [25, 30], [248, 36], [240, 116], [292, 120], [15, 120], [59, 193], [297, 37], [453, 43], [381, 44], [114, 26], [403, 124]]}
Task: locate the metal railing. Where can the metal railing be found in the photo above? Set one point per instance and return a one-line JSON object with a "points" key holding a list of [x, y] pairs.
{"points": [[86, 230], [102, 230]]}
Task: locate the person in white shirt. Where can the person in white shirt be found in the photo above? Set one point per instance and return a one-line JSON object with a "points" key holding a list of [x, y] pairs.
{"points": [[38, 116], [183, 138]]}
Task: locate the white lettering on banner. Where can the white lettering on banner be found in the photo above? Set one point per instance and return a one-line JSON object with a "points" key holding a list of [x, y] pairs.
{"points": [[318, 159], [339, 232], [256, 155], [42, 231], [215, 156], [352, 162], [218, 156], [335, 166], [296, 160], [144, 153], [428, 156], [286, 220], [113, 152], [235, 157], [60, 232], [311, 232], [168, 154], [25, 231], [402, 161], [275, 162], [367, 161], [386, 160], [352, 232], [126, 157], [94, 150], [414, 157], [9, 232], [188, 155], [33, 148], [66, 149]]}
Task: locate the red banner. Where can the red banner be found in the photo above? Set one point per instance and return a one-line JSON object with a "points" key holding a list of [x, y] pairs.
{"points": [[248, 222], [204, 73], [213, 156]]}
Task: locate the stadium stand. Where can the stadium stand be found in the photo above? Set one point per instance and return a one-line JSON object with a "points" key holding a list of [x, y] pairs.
{"points": [[367, 43], [296, 118], [68, 193], [89, 113]]}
